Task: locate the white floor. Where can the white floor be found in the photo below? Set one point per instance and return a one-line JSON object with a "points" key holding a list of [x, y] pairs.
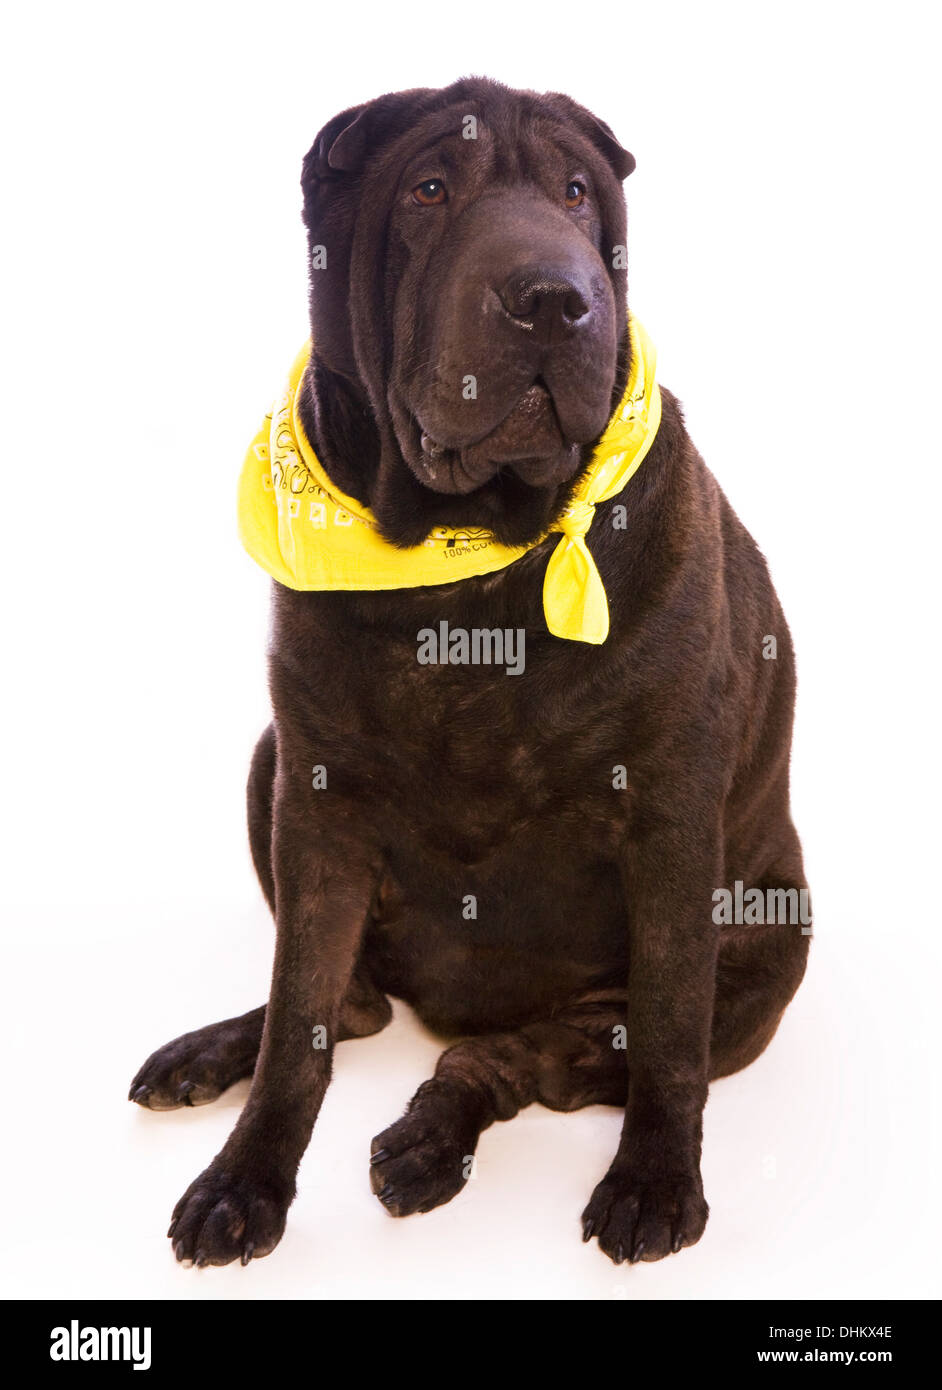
{"points": [[817, 1161]]}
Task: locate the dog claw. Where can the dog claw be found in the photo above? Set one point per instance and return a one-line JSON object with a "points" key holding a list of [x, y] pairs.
{"points": [[172, 1228], [247, 1253], [430, 448], [140, 1094], [183, 1092], [677, 1242], [588, 1228], [637, 1252], [619, 1255], [380, 1156]]}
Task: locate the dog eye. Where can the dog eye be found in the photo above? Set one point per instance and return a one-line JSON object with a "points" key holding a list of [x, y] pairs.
{"points": [[430, 193], [575, 194]]}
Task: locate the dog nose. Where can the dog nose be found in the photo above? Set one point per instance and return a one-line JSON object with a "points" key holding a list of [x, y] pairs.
{"points": [[544, 301]]}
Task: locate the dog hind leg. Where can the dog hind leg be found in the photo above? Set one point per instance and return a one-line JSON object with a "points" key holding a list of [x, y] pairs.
{"points": [[196, 1068], [575, 1059]]}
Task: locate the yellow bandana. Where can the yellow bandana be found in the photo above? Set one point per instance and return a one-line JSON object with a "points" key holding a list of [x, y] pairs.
{"points": [[308, 535]]}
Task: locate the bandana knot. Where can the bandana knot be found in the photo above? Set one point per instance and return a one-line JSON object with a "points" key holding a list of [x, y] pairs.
{"points": [[577, 518]]}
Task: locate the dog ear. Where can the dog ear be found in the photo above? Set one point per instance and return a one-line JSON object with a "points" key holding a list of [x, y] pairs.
{"points": [[317, 160], [621, 160], [346, 141], [601, 134]]}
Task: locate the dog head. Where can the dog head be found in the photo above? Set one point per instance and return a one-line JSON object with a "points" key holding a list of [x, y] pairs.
{"points": [[468, 297]]}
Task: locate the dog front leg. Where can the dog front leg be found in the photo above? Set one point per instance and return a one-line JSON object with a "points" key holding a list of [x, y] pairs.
{"points": [[324, 882], [651, 1200]]}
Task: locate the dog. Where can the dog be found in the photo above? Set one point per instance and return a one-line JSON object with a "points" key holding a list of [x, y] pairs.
{"points": [[531, 859]]}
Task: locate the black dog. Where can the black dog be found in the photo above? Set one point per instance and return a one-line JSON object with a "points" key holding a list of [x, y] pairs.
{"points": [[594, 971]]}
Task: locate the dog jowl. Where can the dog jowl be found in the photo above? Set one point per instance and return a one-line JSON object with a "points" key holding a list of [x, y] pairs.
{"points": [[479, 445]]}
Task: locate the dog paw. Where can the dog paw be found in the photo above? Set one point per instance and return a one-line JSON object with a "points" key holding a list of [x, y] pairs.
{"points": [[197, 1067], [424, 1159], [645, 1219], [224, 1216]]}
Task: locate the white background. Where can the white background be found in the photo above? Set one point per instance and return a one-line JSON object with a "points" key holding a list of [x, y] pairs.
{"points": [[783, 244]]}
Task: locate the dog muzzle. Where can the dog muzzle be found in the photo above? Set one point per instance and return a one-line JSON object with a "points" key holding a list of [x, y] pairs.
{"points": [[308, 535]]}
